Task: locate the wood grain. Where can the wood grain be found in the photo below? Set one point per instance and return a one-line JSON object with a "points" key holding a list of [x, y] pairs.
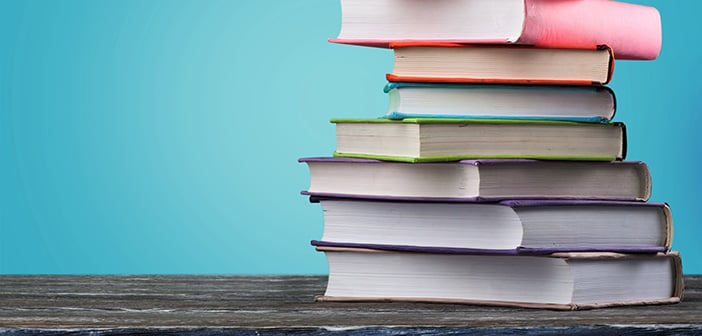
{"points": [[204, 305]]}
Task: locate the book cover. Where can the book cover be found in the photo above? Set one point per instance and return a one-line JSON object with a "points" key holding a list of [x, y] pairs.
{"points": [[526, 251]]}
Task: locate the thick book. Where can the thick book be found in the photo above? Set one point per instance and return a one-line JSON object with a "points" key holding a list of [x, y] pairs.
{"points": [[633, 31], [568, 281], [475, 101], [458, 63], [523, 227], [478, 180], [453, 139]]}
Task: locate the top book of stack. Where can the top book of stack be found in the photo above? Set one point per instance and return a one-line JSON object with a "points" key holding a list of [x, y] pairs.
{"points": [[632, 31]]}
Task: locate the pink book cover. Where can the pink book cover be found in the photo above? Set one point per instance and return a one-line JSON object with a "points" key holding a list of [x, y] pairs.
{"points": [[632, 31]]}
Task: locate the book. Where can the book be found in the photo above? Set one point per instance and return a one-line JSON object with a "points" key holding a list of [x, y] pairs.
{"points": [[500, 64], [570, 103], [567, 281], [448, 139], [509, 227], [478, 180], [633, 31]]}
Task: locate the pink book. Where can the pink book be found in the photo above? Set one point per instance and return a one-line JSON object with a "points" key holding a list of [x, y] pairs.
{"points": [[632, 31]]}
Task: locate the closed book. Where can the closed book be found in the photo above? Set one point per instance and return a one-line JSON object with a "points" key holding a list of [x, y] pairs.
{"points": [[478, 180], [447, 139], [509, 227], [475, 101], [458, 63], [632, 30], [567, 281]]}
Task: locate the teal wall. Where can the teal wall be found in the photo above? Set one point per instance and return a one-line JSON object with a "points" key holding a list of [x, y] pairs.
{"points": [[161, 136]]}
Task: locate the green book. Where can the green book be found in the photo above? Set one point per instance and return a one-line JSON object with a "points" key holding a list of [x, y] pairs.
{"points": [[445, 139]]}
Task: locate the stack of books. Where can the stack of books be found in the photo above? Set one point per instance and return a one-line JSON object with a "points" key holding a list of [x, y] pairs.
{"points": [[497, 175]]}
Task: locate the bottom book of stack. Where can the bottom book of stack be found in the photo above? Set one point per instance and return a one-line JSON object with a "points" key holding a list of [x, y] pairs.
{"points": [[558, 254], [564, 280]]}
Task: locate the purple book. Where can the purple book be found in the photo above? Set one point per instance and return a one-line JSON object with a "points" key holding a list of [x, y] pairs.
{"points": [[512, 227], [478, 180]]}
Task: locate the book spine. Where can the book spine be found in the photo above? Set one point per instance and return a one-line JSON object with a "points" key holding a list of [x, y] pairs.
{"points": [[667, 214], [624, 143]]}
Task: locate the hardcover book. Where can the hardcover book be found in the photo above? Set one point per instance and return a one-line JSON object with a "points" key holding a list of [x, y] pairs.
{"points": [[471, 101], [633, 31], [567, 281], [508, 227], [478, 180], [457, 63], [446, 139]]}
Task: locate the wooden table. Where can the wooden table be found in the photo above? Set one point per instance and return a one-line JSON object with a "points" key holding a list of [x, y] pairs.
{"points": [[273, 305]]}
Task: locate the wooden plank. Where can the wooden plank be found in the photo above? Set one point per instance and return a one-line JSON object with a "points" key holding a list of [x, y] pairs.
{"points": [[285, 303]]}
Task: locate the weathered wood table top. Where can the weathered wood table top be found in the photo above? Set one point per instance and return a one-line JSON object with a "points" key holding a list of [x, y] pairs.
{"points": [[272, 305]]}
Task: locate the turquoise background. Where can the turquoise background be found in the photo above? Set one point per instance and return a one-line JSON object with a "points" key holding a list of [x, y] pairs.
{"points": [[162, 136]]}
